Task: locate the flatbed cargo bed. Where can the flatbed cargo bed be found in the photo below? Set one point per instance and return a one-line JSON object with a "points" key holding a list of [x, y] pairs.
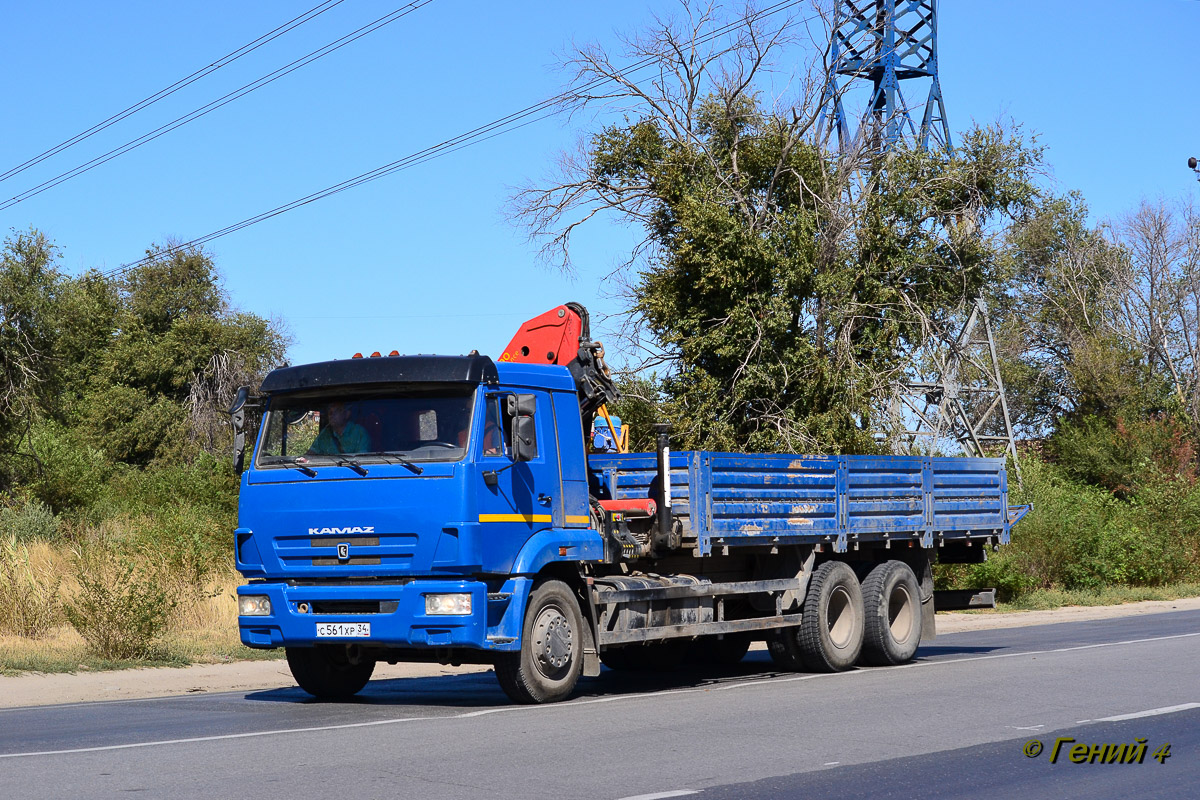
{"points": [[731, 500]]}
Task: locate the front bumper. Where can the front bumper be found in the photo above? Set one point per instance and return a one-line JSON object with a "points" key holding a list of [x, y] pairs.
{"points": [[401, 622]]}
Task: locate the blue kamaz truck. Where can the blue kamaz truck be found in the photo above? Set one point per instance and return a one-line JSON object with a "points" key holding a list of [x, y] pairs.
{"points": [[447, 509]]}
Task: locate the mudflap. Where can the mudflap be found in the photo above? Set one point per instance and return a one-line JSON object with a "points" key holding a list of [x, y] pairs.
{"points": [[928, 622]]}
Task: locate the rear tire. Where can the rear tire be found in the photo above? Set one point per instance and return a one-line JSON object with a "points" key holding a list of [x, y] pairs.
{"points": [[330, 672], [830, 637], [551, 657], [892, 602]]}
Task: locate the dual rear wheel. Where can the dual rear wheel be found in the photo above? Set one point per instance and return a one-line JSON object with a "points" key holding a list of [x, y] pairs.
{"points": [[877, 622]]}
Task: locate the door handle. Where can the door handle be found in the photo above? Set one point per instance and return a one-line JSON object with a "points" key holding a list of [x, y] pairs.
{"points": [[545, 499]]}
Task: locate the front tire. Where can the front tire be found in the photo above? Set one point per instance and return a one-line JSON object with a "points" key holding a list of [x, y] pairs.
{"points": [[830, 636], [892, 600], [551, 657], [329, 672]]}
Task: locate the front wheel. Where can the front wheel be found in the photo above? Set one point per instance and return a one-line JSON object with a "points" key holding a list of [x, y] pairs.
{"points": [[551, 657], [331, 672]]}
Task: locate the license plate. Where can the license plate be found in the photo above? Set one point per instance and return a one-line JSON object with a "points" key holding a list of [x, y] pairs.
{"points": [[343, 630]]}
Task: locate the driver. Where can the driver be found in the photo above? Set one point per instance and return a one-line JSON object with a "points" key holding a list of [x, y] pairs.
{"points": [[340, 435]]}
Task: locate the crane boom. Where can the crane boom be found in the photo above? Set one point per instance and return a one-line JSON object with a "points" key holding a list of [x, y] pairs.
{"points": [[563, 336]]}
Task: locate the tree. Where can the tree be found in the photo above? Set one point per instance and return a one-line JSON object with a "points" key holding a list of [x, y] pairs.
{"points": [[132, 367], [781, 295], [29, 288]]}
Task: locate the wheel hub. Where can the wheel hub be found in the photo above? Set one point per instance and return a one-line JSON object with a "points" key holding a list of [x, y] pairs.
{"points": [[553, 641]]}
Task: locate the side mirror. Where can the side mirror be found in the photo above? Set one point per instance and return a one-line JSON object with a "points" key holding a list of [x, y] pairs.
{"points": [[237, 416], [239, 400], [520, 408], [520, 405]]}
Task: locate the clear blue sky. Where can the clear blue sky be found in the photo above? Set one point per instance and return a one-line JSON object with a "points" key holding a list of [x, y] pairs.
{"points": [[424, 261]]}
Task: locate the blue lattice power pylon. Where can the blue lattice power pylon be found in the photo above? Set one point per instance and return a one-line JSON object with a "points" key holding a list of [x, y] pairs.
{"points": [[884, 42]]}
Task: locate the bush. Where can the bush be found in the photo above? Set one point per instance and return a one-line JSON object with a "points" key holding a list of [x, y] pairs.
{"points": [[72, 473], [1122, 456], [32, 520], [1080, 537], [121, 610], [29, 601]]}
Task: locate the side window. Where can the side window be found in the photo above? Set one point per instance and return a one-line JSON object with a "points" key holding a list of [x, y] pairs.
{"points": [[495, 429]]}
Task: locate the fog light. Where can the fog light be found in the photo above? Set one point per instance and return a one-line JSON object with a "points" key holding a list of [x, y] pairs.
{"points": [[447, 604], [254, 605]]}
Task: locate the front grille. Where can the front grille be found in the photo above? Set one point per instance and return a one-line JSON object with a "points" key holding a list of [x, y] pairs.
{"points": [[372, 561], [353, 541], [355, 606]]}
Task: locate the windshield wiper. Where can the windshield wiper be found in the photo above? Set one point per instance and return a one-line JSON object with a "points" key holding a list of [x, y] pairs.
{"points": [[352, 464], [397, 459], [295, 462]]}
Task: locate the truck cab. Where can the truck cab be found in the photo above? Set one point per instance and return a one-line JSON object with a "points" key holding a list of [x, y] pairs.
{"points": [[399, 507]]}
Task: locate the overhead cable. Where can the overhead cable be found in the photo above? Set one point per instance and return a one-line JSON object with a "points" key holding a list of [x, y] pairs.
{"points": [[215, 104], [506, 124], [224, 60]]}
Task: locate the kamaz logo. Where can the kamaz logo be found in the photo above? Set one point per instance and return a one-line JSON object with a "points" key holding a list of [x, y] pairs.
{"points": [[355, 529]]}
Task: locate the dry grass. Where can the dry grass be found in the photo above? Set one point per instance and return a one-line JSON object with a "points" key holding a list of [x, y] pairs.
{"points": [[201, 630]]}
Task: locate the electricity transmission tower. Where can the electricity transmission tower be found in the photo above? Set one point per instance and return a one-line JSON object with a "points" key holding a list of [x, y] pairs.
{"points": [[884, 42], [887, 46], [964, 404]]}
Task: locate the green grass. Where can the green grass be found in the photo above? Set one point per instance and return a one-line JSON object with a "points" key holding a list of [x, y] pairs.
{"points": [[1040, 599]]}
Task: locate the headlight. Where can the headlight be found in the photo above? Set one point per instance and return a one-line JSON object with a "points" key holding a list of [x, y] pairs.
{"points": [[447, 604], [254, 605]]}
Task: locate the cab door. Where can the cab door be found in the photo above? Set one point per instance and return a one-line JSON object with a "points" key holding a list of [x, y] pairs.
{"points": [[516, 499]]}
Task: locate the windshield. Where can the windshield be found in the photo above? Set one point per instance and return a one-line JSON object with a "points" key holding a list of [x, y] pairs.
{"points": [[375, 426]]}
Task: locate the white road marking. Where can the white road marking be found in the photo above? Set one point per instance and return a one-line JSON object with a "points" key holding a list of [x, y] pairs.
{"points": [[661, 795], [1154, 712], [1026, 727], [597, 700], [830, 763]]}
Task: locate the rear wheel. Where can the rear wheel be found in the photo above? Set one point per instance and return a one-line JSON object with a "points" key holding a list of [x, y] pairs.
{"points": [[332, 672], [892, 602], [551, 657], [830, 636]]}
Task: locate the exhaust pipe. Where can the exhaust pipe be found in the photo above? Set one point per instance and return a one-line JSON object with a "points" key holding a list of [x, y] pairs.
{"points": [[665, 522]]}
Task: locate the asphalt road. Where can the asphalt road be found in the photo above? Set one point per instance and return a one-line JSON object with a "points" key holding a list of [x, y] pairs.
{"points": [[952, 724]]}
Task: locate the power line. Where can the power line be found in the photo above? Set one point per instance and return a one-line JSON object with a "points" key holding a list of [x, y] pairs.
{"points": [[506, 124], [224, 60], [242, 91]]}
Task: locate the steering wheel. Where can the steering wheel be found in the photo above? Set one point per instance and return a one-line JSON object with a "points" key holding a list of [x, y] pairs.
{"points": [[438, 443]]}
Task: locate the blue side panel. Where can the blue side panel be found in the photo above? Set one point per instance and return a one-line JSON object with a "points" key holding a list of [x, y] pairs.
{"points": [[969, 494], [884, 494], [769, 499]]}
